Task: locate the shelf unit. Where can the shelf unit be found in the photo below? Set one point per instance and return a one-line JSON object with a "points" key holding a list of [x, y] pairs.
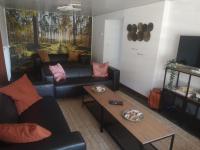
{"points": [[185, 98]]}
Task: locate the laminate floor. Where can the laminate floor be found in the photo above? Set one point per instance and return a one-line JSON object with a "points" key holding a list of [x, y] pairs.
{"points": [[80, 119]]}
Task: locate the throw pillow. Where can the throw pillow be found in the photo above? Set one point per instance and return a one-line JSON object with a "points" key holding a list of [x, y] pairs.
{"points": [[100, 70], [73, 56], [22, 133], [58, 72], [22, 92], [44, 56]]}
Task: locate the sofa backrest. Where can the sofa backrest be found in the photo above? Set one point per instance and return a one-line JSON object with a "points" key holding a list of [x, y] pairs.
{"points": [[74, 71], [8, 111], [54, 58], [58, 58]]}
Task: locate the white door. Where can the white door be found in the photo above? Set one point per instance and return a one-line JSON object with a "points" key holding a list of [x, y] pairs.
{"points": [[112, 42]]}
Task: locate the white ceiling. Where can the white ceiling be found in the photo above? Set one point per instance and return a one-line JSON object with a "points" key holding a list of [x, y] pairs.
{"points": [[89, 7]]}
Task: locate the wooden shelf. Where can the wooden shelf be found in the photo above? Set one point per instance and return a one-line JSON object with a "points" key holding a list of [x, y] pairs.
{"points": [[188, 99], [185, 96], [185, 69]]}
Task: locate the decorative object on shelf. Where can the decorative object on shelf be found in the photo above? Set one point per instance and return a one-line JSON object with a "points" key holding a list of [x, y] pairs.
{"points": [[99, 88], [171, 64], [133, 115], [183, 90], [196, 71], [140, 32]]}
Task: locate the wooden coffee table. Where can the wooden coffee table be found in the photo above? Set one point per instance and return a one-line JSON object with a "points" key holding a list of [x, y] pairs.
{"points": [[147, 131]]}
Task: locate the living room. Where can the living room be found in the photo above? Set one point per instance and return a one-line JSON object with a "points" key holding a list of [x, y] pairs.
{"points": [[97, 75]]}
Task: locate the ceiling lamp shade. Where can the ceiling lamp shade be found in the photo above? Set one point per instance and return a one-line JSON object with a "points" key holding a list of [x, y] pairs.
{"points": [[70, 7]]}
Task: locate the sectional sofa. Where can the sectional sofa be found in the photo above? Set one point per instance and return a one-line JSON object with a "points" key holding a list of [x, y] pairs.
{"points": [[46, 113]]}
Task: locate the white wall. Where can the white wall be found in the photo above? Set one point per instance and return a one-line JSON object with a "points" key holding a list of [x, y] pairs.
{"points": [[112, 42], [4, 35], [98, 34], [138, 59], [181, 17]]}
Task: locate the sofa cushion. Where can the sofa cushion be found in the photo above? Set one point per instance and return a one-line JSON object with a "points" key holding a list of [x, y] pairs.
{"points": [[85, 71], [22, 92], [58, 72], [46, 113], [58, 58], [73, 56], [100, 70], [77, 70], [22, 132], [8, 111], [44, 56]]}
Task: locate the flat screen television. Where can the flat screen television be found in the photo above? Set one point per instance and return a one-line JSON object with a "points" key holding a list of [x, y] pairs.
{"points": [[189, 51]]}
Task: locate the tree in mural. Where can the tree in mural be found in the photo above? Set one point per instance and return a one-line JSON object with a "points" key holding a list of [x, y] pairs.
{"points": [[30, 18], [74, 28], [35, 31], [48, 23], [89, 26]]}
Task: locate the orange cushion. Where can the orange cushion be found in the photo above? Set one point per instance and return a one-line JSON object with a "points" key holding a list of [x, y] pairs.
{"points": [[100, 70], [44, 56], [22, 92], [22, 133], [73, 56]]}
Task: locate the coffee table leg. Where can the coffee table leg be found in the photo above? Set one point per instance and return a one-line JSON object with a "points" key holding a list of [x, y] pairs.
{"points": [[83, 97], [141, 147], [102, 119], [172, 142]]}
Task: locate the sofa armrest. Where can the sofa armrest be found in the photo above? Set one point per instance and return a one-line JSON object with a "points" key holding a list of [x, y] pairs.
{"points": [[114, 74], [63, 141], [45, 89]]}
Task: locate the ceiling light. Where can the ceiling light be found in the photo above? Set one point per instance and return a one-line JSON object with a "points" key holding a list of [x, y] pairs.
{"points": [[70, 7]]}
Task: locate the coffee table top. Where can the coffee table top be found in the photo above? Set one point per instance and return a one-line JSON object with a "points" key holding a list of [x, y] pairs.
{"points": [[148, 130]]}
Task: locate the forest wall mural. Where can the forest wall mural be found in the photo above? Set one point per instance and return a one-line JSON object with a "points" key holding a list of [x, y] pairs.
{"points": [[55, 32]]}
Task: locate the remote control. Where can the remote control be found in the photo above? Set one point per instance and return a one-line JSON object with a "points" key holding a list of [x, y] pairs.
{"points": [[116, 102]]}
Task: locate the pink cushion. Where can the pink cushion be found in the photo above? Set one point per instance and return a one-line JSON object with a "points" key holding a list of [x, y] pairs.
{"points": [[58, 72], [100, 70]]}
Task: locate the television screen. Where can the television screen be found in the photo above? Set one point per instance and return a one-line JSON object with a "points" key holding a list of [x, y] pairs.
{"points": [[189, 51]]}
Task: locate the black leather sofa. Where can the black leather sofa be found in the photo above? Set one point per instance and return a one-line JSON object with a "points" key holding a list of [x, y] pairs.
{"points": [[79, 75], [46, 113]]}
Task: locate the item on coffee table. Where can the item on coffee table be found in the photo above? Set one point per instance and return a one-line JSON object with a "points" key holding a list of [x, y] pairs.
{"points": [[99, 88], [116, 102], [133, 115]]}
